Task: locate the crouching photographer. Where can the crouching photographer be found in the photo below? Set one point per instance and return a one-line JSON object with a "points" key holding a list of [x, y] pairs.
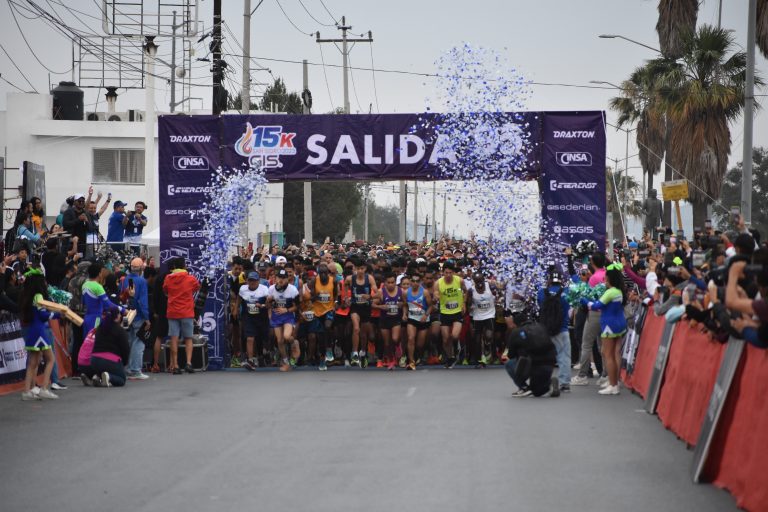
{"points": [[532, 358], [745, 298]]}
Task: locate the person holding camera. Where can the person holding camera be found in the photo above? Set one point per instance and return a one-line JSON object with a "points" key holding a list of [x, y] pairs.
{"points": [[532, 358], [134, 288], [752, 322], [134, 226]]}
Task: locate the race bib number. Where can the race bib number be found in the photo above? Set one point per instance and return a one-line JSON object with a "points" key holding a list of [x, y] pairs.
{"points": [[359, 299], [308, 315], [392, 309], [280, 303], [415, 310], [484, 306], [324, 298], [451, 305], [253, 309]]}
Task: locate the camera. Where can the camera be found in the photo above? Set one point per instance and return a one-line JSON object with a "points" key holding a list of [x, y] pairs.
{"points": [[644, 253], [709, 242]]}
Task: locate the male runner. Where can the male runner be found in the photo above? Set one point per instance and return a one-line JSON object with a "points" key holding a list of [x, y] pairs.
{"points": [[482, 303], [282, 309], [390, 303], [252, 305], [363, 288], [323, 292], [449, 290], [418, 309]]}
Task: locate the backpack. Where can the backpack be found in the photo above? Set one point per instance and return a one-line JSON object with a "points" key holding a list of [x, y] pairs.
{"points": [[76, 287], [551, 313], [86, 349]]}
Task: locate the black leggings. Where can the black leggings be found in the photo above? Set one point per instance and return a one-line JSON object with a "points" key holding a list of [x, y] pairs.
{"points": [[115, 370]]}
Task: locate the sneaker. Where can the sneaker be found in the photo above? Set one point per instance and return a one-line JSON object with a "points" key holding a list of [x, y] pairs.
{"points": [[47, 394], [235, 363], [379, 364], [346, 363], [96, 380], [364, 362], [328, 356], [602, 381], [155, 369], [450, 362], [29, 396], [554, 389], [138, 376], [86, 380], [403, 362], [391, 364], [105, 380], [188, 368], [323, 366], [609, 390], [576, 366], [579, 380], [247, 365], [522, 393], [505, 355], [58, 386], [177, 371], [411, 366], [565, 388], [36, 390], [465, 362], [355, 359], [285, 366]]}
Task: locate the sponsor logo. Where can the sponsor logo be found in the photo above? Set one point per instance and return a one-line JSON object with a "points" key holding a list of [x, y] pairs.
{"points": [[264, 145], [183, 211], [572, 207], [573, 134], [174, 190], [574, 230], [187, 233], [190, 138], [560, 185], [190, 163], [574, 158]]}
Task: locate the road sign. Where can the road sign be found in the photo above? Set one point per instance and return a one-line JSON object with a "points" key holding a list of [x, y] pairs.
{"points": [[675, 190]]}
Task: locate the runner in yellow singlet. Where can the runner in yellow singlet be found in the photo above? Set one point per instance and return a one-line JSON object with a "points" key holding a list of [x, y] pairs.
{"points": [[450, 290]]}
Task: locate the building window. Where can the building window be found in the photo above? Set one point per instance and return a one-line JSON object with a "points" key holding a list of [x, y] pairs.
{"points": [[118, 166]]}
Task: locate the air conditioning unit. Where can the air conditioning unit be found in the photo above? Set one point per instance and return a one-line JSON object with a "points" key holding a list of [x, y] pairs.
{"points": [[96, 116], [136, 115], [127, 117]]}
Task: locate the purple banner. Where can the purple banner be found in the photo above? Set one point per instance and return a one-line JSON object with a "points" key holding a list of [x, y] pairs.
{"points": [[566, 153], [572, 182]]}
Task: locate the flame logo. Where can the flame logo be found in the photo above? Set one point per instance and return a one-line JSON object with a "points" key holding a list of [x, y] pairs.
{"points": [[244, 144]]}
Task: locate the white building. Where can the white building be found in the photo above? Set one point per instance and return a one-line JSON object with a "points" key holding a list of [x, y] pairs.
{"points": [[107, 154]]}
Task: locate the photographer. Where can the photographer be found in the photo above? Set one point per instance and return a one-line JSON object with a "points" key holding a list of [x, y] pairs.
{"points": [[532, 358], [134, 226], [752, 320]]}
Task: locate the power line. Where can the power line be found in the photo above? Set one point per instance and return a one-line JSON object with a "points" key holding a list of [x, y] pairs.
{"points": [[18, 69], [354, 88], [335, 20], [11, 84], [290, 20], [317, 20], [11, 5], [325, 74], [373, 74]]}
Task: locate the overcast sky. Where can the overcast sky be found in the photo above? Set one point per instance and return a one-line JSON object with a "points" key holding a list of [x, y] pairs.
{"points": [[550, 41]]}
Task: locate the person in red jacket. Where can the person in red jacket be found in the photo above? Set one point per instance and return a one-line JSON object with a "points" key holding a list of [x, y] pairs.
{"points": [[180, 287]]}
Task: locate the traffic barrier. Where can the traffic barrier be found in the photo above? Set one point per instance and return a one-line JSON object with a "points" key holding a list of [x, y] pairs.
{"points": [[650, 338]]}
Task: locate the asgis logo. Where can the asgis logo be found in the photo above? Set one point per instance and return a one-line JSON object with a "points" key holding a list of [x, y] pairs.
{"points": [[264, 145]]}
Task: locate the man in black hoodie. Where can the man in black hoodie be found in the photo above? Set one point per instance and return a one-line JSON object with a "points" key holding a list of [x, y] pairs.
{"points": [[532, 359]]}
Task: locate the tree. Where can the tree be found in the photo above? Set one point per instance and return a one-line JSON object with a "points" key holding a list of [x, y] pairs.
{"points": [[731, 192], [334, 205], [702, 93], [762, 27], [382, 220], [277, 96], [235, 103], [617, 199], [676, 18]]}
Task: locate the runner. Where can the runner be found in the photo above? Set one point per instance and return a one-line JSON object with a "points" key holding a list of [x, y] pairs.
{"points": [[481, 301], [341, 321], [282, 308], [449, 290], [390, 303], [433, 348], [323, 292], [363, 288], [250, 309], [236, 280], [419, 307]]}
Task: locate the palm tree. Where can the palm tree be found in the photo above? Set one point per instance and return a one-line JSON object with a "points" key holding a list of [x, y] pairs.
{"points": [[702, 92], [639, 102], [762, 26], [676, 18]]}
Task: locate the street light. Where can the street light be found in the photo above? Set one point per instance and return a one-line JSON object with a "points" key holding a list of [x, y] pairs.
{"points": [[616, 36]]}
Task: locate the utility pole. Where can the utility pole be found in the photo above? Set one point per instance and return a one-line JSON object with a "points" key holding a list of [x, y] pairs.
{"points": [[625, 222], [434, 219], [150, 51], [245, 85], [218, 69], [426, 228], [415, 210], [365, 217], [173, 65], [307, 184], [445, 195], [345, 53], [749, 107], [403, 206]]}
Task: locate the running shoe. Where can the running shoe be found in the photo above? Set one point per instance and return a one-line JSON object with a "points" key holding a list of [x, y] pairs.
{"points": [[138, 376], [504, 356], [355, 359], [323, 366], [235, 362], [579, 380], [364, 362], [609, 390], [602, 381], [285, 366], [105, 380], [522, 393], [28, 396], [391, 364], [247, 365], [86, 380], [379, 364], [188, 368], [403, 362], [96, 380], [58, 386], [329, 355], [465, 362], [411, 366], [450, 363], [346, 363], [48, 394], [565, 388]]}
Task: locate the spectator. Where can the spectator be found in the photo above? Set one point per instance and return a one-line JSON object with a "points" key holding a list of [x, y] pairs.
{"points": [[136, 288], [38, 216], [180, 287], [134, 226], [116, 227], [159, 317], [110, 351], [532, 359], [75, 221], [38, 339], [54, 263]]}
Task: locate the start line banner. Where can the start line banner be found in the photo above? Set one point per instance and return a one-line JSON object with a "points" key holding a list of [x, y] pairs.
{"points": [[565, 152]]}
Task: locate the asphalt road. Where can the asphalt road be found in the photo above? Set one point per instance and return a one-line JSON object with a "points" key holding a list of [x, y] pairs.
{"points": [[342, 440]]}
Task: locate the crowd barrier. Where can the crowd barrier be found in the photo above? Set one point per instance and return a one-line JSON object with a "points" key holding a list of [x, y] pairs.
{"points": [[712, 396]]}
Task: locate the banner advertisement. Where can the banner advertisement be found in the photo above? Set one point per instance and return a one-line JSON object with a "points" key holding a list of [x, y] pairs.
{"points": [[572, 182], [13, 356], [565, 152], [659, 367]]}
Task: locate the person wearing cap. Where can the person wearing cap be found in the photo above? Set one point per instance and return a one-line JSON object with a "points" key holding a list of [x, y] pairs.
{"points": [[134, 226], [282, 304], [136, 288], [557, 303], [75, 221], [281, 261], [116, 226], [323, 291], [252, 309]]}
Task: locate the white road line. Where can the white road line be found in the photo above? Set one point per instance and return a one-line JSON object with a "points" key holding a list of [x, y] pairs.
{"points": [[411, 392]]}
